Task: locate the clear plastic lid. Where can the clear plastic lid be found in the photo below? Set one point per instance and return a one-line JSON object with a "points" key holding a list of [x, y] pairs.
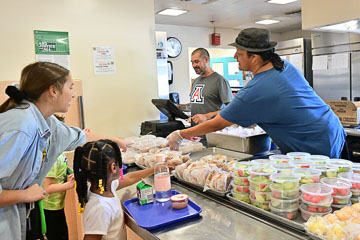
{"points": [[336, 183], [265, 162], [343, 197], [339, 162], [317, 189], [326, 202], [318, 159], [303, 209], [279, 158], [284, 210], [282, 166], [298, 155], [262, 170], [241, 165], [306, 172], [350, 176], [324, 168], [284, 177]]}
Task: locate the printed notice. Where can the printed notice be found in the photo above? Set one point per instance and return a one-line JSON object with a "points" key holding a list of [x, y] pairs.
{"points": [[52, 47], [320, 62], [104, 60], [340, 60]]}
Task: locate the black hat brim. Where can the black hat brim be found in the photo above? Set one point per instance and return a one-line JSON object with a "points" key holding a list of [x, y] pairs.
{"points": [[272, 45]]}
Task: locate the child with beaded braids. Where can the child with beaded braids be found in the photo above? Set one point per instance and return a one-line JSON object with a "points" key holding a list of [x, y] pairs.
{"points": [[100, 163]]}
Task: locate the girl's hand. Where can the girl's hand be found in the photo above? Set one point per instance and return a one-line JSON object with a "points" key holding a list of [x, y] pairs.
{"points": [[70, 181], [34, 193]]}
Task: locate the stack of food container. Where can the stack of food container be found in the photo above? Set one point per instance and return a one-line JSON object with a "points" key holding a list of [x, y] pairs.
{"points": [[284, 195], [307, 175], [298, 155], [300, 159], [263, 162], [240, 183], [354, 179], [316, 200], [341, 191], [341, 164], [260, 185]]}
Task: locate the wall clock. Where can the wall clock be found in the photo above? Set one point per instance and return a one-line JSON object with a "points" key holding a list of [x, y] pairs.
{"points": [[173, 47]]}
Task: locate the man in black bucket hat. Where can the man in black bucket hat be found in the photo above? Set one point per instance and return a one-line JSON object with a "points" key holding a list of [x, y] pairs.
{"points": [[278, 99]]}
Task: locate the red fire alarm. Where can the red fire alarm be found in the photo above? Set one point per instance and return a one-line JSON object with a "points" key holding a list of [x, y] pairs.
{"points": [[215, 39]]}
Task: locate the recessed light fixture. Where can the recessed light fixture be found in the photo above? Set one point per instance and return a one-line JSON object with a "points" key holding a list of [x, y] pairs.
{"points": [[281, 1], [172, 12], [267, 21]]}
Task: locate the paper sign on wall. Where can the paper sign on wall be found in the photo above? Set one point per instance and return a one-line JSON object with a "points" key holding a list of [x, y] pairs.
{"points": [[320, 62], [52, 47], [104, 60]]}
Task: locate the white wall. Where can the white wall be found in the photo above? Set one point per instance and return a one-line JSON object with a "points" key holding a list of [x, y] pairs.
{"points": [[116, 104]]}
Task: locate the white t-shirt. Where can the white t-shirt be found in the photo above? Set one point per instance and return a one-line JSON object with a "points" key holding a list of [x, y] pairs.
{"points": [[104, 215]]}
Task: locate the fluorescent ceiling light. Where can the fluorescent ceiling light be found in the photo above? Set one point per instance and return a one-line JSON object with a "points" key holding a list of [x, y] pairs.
{"points": [[281, 1], [172, 12], [349, 26], [267, 21]]}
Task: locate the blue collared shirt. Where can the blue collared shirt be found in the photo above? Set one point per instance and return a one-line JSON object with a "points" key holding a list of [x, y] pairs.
{"points": [[24, 134]]}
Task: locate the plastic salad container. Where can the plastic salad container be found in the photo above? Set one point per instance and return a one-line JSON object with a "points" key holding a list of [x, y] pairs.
{"points": [[285, 204], [317, 193], [241, 196], [263, 162], [261, 173], [279, 158], [298, 155], [261, 185], [260, 196], [356, 167], [241, 169], [340, 187], [354, 179], [286, 213], [281, 194], [283, 167], [240, 189], [259, 204], [326, 170], [301, 163], [342, 200], [305, 214], [343, 165], [307, 175], [240, 181], [284, 181], [318, 159]]}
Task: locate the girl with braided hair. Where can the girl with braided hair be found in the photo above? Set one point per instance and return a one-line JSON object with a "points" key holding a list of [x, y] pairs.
{"points": [[31, 139], [100, 163]]}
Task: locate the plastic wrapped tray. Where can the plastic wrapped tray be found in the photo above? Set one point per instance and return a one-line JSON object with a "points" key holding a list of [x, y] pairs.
{"points": [[155, 215]]}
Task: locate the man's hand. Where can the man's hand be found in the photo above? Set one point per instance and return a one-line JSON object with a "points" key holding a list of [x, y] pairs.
{"points": [[174, 140], [199, 118]]}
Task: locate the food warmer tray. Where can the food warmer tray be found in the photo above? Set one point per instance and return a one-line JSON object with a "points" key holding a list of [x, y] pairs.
{"points": [[201, 188], [297, 223], [214, 150]]}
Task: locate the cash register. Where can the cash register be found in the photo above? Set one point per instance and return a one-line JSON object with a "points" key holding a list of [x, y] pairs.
{"points": [[163, 127]]}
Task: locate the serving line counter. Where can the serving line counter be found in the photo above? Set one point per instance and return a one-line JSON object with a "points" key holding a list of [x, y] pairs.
{"points": [[219, 219]]}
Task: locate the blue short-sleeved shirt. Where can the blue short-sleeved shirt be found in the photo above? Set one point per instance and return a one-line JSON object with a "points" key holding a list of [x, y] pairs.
{"points": [[24, 134], [289, 110]]}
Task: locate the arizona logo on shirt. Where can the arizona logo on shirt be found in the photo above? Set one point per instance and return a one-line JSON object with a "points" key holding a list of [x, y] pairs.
{"points": [[196, 95]]}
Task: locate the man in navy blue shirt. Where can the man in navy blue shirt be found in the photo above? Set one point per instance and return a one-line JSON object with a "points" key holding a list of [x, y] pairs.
{"points": [[278, 99]]}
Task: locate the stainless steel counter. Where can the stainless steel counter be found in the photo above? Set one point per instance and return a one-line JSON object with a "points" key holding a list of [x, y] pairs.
{"points": [[352, 132], [218, 220]]}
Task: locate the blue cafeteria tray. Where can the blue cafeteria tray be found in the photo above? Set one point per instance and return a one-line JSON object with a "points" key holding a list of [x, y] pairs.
{"points": [[157, 214]]}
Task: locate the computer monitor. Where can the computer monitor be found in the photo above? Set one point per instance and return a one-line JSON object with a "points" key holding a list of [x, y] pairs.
{"points": [[169, 109]]}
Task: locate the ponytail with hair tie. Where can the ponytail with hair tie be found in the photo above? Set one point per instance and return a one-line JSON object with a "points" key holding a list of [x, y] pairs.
{"points": [[15, 94]]}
